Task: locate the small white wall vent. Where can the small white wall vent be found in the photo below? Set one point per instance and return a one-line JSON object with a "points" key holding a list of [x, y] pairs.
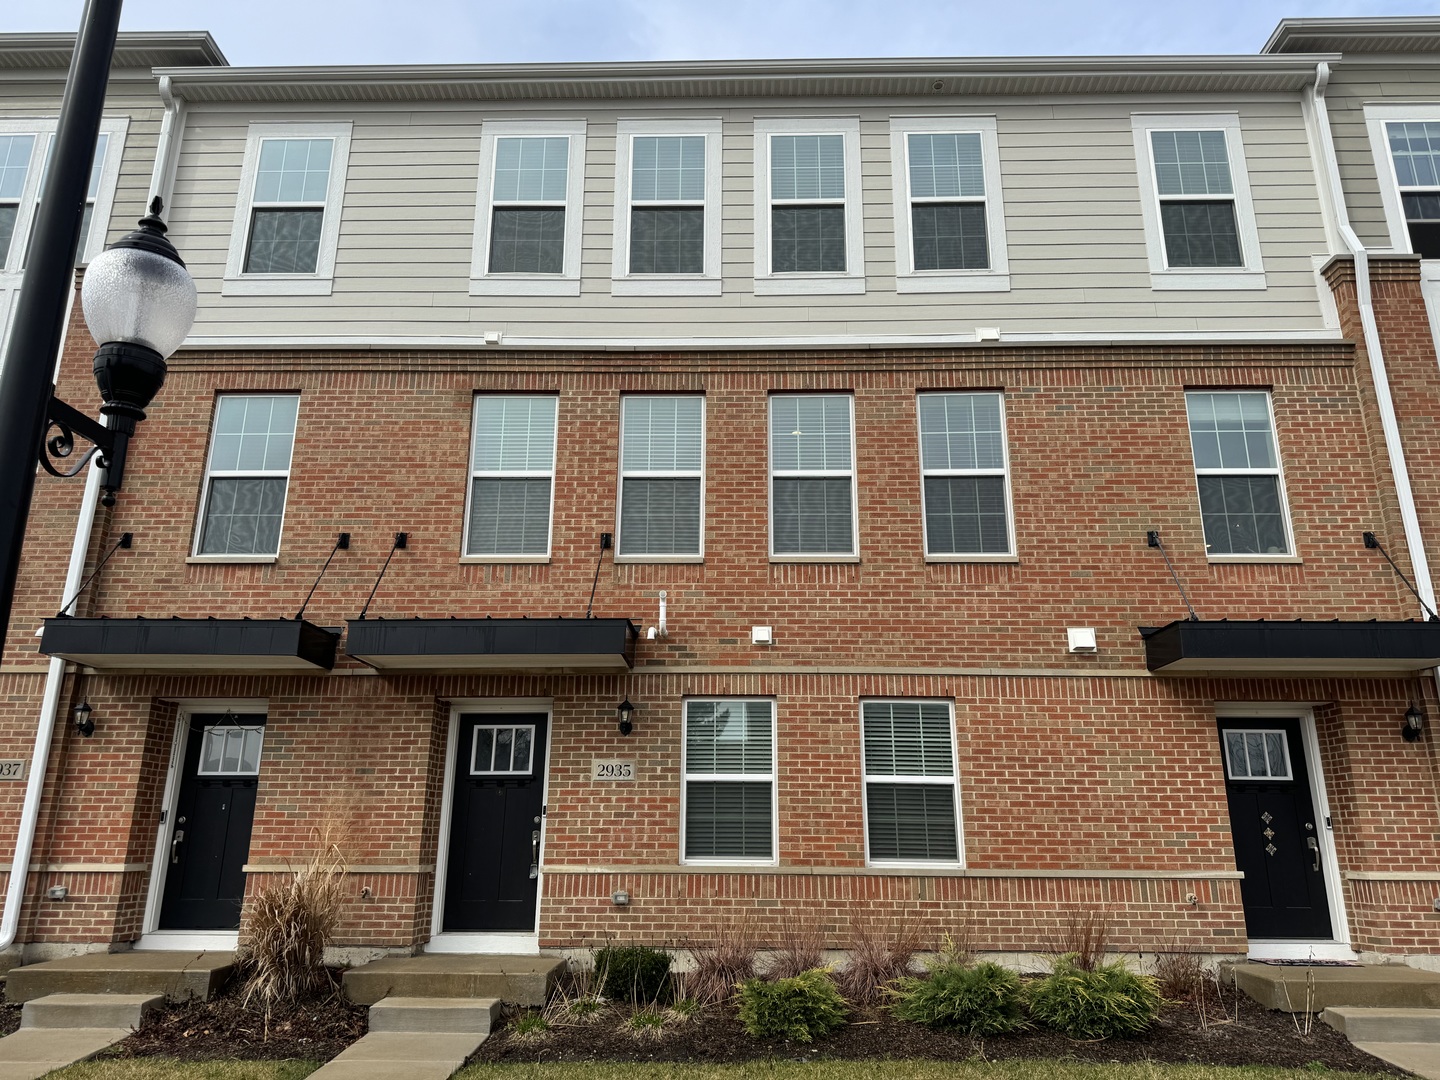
{"points": [[762, 635], [1082, 638]]}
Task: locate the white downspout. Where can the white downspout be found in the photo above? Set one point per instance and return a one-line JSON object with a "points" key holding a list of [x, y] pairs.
{"points": [[1330, 178], [161, 182]]}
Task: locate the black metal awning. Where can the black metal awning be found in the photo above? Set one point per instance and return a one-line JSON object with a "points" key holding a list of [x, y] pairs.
{"points": [[191, 644], [559, 645], [1261, 646]]}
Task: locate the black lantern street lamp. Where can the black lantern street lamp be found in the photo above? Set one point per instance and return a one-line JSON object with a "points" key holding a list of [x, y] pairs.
{"points": [[139, 301]]}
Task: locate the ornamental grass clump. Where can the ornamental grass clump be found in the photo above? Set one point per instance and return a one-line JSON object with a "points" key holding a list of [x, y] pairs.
{"points": [[985, 999], [722, 962], [801, 1008], [1111, 1000]]}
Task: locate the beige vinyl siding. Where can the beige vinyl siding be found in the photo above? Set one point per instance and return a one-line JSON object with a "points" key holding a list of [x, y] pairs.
{"points": [[1352, 85], [1078, 260]]}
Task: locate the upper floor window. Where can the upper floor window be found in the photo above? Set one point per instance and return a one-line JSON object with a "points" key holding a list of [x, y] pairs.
{"points": [[26, 147], [912, 808], [512, 476], [247, 476], [528, 212], [809, 231], [1405, 142], [812, 475], [949, 216], [965, 482], [728, 792], [287, 218], [1237, 471], [1195, 193], [667, 208], [662, 455]]}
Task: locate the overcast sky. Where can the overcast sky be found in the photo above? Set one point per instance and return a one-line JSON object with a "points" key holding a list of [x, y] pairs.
{"points": [[263, 32]]}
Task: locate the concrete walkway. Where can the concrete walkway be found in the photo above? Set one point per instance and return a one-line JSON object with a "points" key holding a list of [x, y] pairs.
{"points": [[61, 1029], [400, 1055]]}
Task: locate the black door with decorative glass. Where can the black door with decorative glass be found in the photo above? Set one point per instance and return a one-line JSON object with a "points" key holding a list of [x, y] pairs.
{"points": [[210, 841], [494, 858], [1276, 831]]}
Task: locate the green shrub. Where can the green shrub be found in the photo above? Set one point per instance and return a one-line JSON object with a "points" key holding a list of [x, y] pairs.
{"points": [[632, 972], [798, 1008], [980, 1000], [1111, 1000]]}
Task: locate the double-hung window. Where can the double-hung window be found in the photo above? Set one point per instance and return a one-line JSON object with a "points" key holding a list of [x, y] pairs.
{"points": [[1405, 141], [667, 208], [662, 460], [528, 212], [1237, 470], [16, 151], [809, 228], [949, 216], [83, 251], [247, 476], [965, 485], [812, 476], [512, 477], [1195, 200], [286, 229], [728, 794], [912, 806]]}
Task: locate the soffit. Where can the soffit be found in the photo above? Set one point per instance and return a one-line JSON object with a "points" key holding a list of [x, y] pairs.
{"points": [[51, 52], [1420, 34]]}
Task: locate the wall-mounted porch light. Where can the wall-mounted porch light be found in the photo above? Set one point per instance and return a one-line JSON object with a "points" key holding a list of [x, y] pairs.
{"points": [[1414, 724], [626, 713], [84, 724]]}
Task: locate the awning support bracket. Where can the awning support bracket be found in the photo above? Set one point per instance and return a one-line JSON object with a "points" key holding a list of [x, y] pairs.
{"points": [[1374, 544], [1153, 539]]}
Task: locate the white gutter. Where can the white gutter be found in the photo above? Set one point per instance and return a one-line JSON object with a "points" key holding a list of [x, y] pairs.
{"points": [[45, 732], [1330, 183]]}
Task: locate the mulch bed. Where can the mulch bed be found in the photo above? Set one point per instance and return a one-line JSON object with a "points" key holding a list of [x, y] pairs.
{"points": [[1258, 1037], [222, 1027], [9, 1016]]}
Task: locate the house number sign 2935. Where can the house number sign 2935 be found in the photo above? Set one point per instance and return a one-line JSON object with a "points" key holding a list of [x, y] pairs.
{"points": [[612, 770], [13, 769]]}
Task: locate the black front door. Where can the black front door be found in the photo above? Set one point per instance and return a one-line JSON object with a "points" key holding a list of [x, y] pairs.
{"points": [[491, 880], [1277, 835], [205, 876]]}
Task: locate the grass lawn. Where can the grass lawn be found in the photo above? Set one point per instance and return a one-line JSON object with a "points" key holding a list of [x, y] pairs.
{"points": [[166, 1069]]}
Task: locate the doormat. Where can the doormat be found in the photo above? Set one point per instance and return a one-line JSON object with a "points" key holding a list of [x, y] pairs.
{"points": [[1310, 963]]}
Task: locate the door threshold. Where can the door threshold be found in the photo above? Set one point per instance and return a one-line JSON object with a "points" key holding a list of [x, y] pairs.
{"points": [[514, 943], [189, 941], [1300, 950]]}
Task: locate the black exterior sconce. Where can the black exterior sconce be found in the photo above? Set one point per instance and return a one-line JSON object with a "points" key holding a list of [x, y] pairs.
{"points": [[1414, 724], [84, 724], [626, 712]]}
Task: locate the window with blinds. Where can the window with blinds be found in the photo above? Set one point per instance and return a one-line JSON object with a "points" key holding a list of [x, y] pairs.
{"points": [[729, 781], [247, 475], [965, 483], [512, 474], [661, 476], [1237, 471], [1197, 198], [812, 475], [911, 803], [531, 184]]}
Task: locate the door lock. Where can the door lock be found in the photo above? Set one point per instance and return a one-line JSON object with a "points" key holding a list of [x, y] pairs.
{"points": [[1314, 846], [535, 854]]}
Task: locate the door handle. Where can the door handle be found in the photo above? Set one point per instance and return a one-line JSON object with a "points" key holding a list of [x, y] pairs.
{"points": [[534, 854], [175, 845], [1314, 846]]}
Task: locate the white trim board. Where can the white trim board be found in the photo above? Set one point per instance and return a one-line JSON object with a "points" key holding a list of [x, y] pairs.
{"points": [[189, 941], [516, 944]]}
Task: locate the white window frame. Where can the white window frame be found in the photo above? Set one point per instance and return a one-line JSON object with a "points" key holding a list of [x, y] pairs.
{"points": [[1009, 555], [1289, 554], [529, 769], [995, 278], [200, 769], [822, 556], [852, 280], [322, 282], [1212, 278], [565, 283], [1377, 118], [471, 475], [698, 556], [1250, 777], [934, 781], [115, 128], [773, 779], [259, 557], [708, 282]]}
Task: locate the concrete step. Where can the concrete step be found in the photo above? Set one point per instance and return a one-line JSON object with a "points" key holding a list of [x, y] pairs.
{"points": [[1315, 989], [87, 1010], [523, 980], [460, 1016], [1384, 1025], [177, 976], [1422, 1058], [26, 1055], [401, 1056]]}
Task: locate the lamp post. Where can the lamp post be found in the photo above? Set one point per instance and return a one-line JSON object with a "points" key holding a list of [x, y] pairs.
{"points": [[135, 306]]}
